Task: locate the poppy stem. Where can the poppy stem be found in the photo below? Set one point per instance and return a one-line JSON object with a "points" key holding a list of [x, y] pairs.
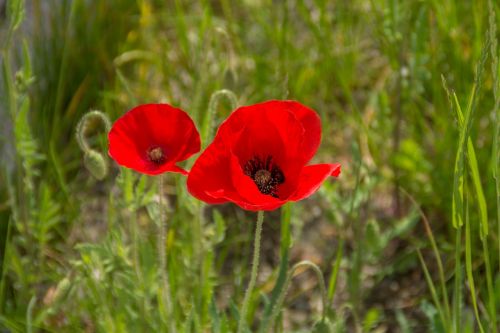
{"points": [[94, 161], [162, 247], [253, 276], [215, 99]]}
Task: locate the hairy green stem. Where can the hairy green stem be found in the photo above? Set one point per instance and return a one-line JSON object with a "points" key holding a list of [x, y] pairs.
{"points": [[162, 241], [199, 254], [81, 127], [94, 161], [215, 99], [285, 243], [135, 242], [253, 275], [281, 298]]}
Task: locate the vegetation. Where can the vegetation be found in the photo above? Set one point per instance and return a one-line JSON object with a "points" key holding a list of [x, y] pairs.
{"points": [[406, 239]]}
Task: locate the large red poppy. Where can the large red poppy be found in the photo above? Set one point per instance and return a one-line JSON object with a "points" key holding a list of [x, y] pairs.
{"points": [[152, 138], [259, 156]]}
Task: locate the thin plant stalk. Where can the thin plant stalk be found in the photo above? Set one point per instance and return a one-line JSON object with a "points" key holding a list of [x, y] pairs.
{"points": [[199, 253], [432, 289], [253, 274], [489, 285], [135, 243], [162, 240], [137, 259], [430, 235], [215, 99], [495, 155], [496, 107], [285, 243], [291, 273]]}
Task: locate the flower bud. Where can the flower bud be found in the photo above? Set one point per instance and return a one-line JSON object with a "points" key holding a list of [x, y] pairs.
{"points": [[96, 164]]}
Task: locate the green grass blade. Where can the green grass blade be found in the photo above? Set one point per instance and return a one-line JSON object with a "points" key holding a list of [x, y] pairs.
{"points": [[468, 266], [476, 181], [332, 284], [495, 154], [495, 159], [457, 293], [474, 169], [432, 288], [437, 255], [458, 171]]}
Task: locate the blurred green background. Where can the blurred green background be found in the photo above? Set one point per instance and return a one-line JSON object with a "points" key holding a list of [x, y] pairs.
{"points": [[390, 80]]}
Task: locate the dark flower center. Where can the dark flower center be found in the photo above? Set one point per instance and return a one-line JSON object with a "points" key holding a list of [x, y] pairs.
{"points": [[265, 174], [156, 155]]}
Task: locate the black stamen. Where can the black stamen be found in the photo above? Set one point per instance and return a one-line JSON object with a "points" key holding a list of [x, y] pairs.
{"points": [[266, 175]]}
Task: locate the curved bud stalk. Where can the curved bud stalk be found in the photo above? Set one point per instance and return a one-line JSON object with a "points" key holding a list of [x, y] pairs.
{"points": [[94, 161], [324, 298], [215, 100]]}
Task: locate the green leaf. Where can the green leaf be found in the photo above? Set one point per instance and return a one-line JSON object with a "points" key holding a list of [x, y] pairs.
{"points": [[372, 317]]}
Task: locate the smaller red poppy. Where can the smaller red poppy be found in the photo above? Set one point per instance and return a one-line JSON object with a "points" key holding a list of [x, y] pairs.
{"points": [[259, 158], [152, 138]]}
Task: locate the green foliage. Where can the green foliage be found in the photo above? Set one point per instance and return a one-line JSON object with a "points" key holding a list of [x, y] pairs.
{"points": [[414, 208]]}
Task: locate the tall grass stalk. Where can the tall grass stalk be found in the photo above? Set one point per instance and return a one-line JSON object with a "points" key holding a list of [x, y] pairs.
{"points": [[468, 260], [496, 107], [461, 194], [495, 160], [457, 293], [446, 315], [432, 288]]}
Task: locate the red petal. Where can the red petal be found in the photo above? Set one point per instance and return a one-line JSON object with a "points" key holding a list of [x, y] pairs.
{"points": [[233, 197], [312, 127], [312, 177], [210, 174], [301, 140], [336, 170], [175, 168]]}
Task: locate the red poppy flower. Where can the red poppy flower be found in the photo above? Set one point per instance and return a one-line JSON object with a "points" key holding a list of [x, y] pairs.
{"points": [[258, 158], [152, 138]]}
